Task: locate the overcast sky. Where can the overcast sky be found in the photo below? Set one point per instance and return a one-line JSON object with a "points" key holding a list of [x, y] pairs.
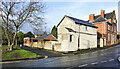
{"points": [[56, 10]]}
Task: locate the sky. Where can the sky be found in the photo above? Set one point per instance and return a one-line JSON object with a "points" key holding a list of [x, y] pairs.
{"points": [[55, 11]]}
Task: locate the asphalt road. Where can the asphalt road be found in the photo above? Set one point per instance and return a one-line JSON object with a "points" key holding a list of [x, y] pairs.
{"points": [[103, 58]]}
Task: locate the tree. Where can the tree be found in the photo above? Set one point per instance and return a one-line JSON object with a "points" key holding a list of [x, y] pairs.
{"points": [[45, 33], [20, 36], [54, 31], [16, 14], [37, 31], [29, 34]]}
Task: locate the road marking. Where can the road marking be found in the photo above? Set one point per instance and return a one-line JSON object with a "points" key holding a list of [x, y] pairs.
{"points": [[111, 60], [83, 65], [103, 61], [94, 63]]}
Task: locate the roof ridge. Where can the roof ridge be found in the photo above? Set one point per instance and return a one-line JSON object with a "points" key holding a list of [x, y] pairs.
{"points": [[105, 13], [80, 21]]}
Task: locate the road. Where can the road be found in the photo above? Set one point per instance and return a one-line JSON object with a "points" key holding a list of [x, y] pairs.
{"points": [[103, 58]]}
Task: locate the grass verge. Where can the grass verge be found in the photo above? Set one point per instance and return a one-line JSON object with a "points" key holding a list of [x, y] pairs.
{"points": [[17, 54]]}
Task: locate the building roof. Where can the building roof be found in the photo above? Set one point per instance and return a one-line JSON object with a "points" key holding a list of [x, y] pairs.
{"points": [[107, 15], [99, 19], [79, 21], [43, 36], [48, 37]]}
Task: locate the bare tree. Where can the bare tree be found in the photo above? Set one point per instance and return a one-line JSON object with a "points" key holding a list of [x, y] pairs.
{"points": [[38, 31], [16, 14]]}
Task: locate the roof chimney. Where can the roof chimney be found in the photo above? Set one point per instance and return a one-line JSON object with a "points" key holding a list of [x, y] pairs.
{"points": [[91, 17], [102, 13]]}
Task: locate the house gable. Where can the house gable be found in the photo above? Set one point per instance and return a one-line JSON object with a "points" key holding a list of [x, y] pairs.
{"points": [[63, 19]]}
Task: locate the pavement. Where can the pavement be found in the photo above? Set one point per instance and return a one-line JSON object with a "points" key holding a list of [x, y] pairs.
{"points": [[103, 58], [42, 52]]}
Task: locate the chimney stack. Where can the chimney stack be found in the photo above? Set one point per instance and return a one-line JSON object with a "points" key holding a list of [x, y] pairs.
{"points": [[102, 13], [91, 17]]}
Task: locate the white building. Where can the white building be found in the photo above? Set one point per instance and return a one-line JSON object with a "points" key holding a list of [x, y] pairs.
{"points": [[74, 34]]}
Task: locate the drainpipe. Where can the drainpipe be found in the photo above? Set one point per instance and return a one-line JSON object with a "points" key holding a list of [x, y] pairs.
{"points": [[79, 38], [104, 33]]}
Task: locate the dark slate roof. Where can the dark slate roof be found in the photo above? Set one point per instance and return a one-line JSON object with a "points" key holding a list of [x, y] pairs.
{"points": [[99, 19], [78, 21], [44, 36], [107, 15]]}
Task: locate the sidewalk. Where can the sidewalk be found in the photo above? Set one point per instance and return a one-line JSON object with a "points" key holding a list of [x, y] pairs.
{"points": [[42, 52], [50, 53]]}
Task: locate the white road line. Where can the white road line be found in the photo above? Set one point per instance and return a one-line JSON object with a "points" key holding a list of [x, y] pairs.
{"points": [[111, 60], [103, 61], [94, 63], [83, 65]]}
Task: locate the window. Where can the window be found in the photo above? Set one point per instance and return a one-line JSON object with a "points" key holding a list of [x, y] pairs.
{"points": [[108, 36], [114, 29], [86, 28], [108, 27], [71, 38]]}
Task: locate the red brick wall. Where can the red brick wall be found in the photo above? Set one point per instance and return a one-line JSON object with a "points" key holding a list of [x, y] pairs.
{"points": [[102, 28], [102, 13], [91, 17]]}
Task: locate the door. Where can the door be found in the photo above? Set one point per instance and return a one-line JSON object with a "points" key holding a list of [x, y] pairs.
{"points": [[104, 41]]}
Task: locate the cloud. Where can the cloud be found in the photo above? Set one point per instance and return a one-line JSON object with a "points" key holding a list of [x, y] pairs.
{"points": [[80, 0], [81, 10]]}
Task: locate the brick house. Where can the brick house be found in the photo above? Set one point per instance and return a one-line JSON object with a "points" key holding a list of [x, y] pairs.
{"points": [[107, 26]]}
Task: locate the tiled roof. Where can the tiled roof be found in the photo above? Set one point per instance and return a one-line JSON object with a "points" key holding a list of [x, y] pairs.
{"points": [[48, 37], [78, 21], [107, 15], [43, 36]]}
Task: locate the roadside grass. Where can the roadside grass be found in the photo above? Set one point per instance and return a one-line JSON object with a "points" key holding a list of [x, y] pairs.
{"points": [[17, 53]]}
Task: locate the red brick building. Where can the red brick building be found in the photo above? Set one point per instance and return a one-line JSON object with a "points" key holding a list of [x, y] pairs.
{"points": [[107, 26]]}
